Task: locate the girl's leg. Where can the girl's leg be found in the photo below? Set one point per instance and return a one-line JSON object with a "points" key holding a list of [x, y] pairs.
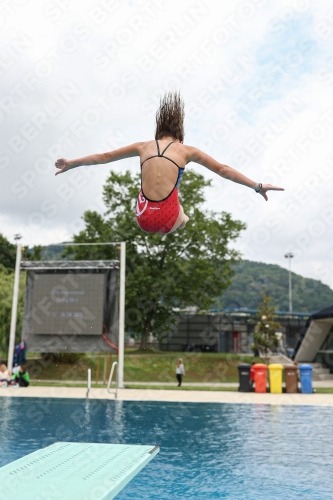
{"points": [[181, 221], [179, 378]]}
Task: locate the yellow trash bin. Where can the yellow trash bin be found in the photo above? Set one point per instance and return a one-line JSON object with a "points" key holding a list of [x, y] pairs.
{"points": [[275, 378]]}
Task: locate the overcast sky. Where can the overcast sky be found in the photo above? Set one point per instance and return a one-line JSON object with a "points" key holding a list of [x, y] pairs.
{"points": [[80, 77]]}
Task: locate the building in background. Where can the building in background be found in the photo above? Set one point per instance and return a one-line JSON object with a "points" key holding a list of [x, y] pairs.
{"points": [[228, 331], [316, 342]]}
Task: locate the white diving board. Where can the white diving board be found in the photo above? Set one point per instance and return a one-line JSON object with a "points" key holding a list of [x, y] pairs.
{"points": [[76, 471]]}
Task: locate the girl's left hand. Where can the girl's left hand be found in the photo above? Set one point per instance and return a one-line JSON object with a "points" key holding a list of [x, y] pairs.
{"points": [[63, 165], [268, 187]]}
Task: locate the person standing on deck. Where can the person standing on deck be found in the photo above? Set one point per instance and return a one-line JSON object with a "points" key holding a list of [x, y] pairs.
{"points": [[180, 371]]}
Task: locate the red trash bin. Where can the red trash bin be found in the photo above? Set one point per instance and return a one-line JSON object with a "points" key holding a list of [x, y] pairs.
{"points": [[260, 377]]}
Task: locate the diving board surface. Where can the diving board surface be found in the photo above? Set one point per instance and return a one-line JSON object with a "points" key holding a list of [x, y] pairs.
{"points": [[82, 471]]}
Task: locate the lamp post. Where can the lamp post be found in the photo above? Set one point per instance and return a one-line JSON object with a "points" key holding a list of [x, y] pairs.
{"points": [[17, 237], [121, 343], [289, 256]]}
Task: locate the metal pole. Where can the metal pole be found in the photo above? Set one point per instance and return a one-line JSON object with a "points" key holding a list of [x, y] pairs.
{"points": [[289, 256], [117, 385], [290, 289], [14, 308], [121, 343]]}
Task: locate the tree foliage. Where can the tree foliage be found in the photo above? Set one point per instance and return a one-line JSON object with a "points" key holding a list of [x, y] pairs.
{"points": [[186, 268], [34, 253], [264, 336], [6, 297], [7, 266], [7, 253]]}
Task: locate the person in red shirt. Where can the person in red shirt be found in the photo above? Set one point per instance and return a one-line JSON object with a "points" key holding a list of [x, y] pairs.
{"points": [[252, 375]]}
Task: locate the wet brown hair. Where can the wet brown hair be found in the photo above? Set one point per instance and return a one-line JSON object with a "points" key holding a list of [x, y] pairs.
{"points": [[170, 117]]}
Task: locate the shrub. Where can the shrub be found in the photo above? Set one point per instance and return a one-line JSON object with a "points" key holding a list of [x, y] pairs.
{"points": [[66, 358]]}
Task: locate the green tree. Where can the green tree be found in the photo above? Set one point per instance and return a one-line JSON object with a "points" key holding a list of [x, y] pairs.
{"points": [[264, 336], [6, 297], [7, 253], [189, 267], [35, 253]]}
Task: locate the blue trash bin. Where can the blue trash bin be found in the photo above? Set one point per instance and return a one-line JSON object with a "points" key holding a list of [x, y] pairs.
{"points": [[306, 378]]}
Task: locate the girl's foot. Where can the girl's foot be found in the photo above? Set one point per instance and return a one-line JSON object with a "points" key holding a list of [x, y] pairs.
{"points": [[184, 222]]}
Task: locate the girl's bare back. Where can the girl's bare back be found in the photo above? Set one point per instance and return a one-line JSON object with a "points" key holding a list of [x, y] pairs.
{"points": [[159, 175]]}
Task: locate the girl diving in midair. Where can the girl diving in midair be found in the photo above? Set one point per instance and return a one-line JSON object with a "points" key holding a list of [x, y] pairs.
{"points": [[163, 162]]}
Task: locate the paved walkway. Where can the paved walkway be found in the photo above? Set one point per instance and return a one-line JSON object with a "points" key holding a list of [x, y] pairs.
{"points": [[168, 384], [316, 383], [175, 396]]}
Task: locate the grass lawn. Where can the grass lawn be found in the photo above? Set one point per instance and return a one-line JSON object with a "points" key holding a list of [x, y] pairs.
{"points": [[147, 366]]}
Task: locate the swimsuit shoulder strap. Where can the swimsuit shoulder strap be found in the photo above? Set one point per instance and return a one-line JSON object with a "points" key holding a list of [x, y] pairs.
{"points": [[164, 150], [161, 154]]}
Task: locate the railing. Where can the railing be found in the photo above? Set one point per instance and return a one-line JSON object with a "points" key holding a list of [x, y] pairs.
{"points": [[115, 391]]}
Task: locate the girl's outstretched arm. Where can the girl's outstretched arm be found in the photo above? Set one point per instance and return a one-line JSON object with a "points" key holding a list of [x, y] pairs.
{"points": [[118, 154], [229, 173]]}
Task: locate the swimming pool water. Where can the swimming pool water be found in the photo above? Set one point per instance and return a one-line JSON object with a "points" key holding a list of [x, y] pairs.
{"points": [[208, 451]]}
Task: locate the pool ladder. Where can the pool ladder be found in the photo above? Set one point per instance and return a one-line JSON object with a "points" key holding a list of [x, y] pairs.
{"points": [[115, 390], [110, 391]]}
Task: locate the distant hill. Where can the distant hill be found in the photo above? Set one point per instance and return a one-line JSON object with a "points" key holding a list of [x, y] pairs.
{"points": [[252, 278], [53, 252]]}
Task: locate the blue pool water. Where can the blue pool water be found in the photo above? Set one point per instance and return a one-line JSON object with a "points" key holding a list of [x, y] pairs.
{"points": [[208, 451]]}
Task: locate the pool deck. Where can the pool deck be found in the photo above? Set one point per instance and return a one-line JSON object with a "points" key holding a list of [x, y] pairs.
{"points": [[171, 395]]}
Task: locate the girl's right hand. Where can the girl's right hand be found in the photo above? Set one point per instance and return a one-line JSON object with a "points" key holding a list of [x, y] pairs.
{"points": [[63, 165]]}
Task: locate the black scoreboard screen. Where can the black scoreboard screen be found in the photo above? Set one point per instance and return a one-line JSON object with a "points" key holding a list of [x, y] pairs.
{"points": [[68, 303]]}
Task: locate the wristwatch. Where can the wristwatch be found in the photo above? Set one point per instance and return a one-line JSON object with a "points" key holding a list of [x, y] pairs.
{"points": [[258, 188]]}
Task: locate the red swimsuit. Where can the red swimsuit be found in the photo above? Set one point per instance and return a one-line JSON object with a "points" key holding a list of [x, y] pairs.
{"points": [[159, 216]]}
